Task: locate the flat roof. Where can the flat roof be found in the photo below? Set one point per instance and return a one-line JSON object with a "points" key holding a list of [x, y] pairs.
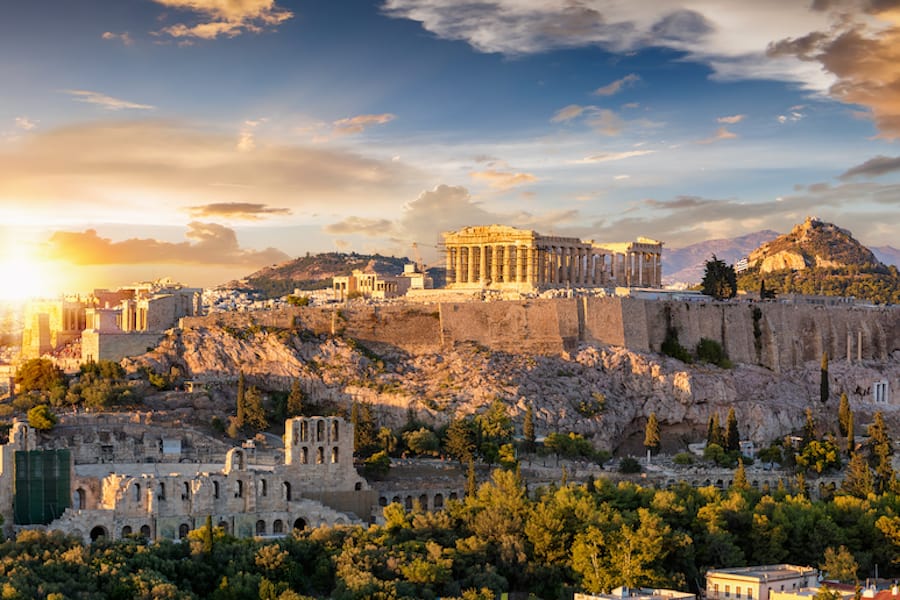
{"points": [[763, 572]]}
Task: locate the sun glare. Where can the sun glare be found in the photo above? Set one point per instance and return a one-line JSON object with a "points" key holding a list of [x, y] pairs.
{"points": [[22, 276]]}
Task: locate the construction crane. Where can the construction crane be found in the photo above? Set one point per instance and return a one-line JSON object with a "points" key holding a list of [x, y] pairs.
{"points": [[417, 257]]}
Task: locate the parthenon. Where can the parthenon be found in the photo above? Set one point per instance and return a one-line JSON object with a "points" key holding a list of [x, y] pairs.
{"points": [[502, 257]]}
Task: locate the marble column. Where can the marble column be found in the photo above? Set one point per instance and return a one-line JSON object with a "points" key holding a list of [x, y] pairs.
{"points": [[507, 264], [471, 269], [530, 275], [640, 257], [482, 263], [495, 263], [459, 265], [573, 266], [521, 273]]}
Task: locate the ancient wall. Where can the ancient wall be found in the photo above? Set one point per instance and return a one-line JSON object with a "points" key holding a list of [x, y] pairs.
{"points": [[97, 345]]}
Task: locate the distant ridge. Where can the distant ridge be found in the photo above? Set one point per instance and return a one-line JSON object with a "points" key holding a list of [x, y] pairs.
{"points": [[687, 264], [887, 254]]}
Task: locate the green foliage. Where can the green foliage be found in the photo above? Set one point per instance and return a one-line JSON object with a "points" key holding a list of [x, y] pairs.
{"points": [[629, 465], [591, 407], [732, 436], [711, 351], [719, 279], [363, 428], [254, 414], [294, 407], [823, 379], [671, 347], [42, 418], [873, 284], [881, 449], [819, 457], [377, 465], [844, 415], [839, 565], [570, 445], [39, 375], [422, 441], [683, 459], [297, 300], [528, 429]]}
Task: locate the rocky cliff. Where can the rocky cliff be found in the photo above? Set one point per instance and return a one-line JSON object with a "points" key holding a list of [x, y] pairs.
{"points": [[403, 357]]}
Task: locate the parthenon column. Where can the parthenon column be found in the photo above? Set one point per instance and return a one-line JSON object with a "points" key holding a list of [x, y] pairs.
{"points": [[529, 265], [640, 257], [495, 264], [482, 263], [507, 264], [521, 272], [471, 274], [459, 265], [573, 265]]}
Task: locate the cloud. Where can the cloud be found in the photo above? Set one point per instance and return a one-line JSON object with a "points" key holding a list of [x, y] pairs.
{"points": [[611, 156], [606, 122], [362, 226], [617, 85], [733, 119], [122, 167], [249, 211], [499, 180], [25, 123], [880, 165], [360, 123], [228, 18], [107, 102], [567, 113], [721, 134], [246, 138], [123, 37], [207, 243]]}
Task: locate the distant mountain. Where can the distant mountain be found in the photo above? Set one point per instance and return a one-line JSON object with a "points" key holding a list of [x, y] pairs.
{"points": [[315, 271], [812, 244], [887, 254], [687, 264], [818, 258]]}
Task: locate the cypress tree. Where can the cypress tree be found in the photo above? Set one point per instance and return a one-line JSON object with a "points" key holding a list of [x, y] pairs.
{"points": [[470, 479], [732, 436], [651, 435], [528, 429], [882, 449], [295, 400], [858, 478], [254, 414], [843, 414], [240, 399], [823, 384], [713, 430], [740, 477], [851, 439]]}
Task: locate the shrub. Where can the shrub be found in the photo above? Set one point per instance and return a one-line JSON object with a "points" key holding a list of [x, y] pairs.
{"points": [[629, 465], [42, 418], [711, 351], [683, 458]]}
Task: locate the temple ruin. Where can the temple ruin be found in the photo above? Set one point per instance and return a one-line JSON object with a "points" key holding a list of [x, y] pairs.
{"points": [[507, 258]]}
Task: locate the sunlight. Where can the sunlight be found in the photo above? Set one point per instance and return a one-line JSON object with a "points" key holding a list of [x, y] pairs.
{"points": [[21, 275]]}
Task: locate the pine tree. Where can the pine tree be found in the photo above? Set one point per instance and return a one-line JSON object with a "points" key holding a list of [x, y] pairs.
{"points": [[732, 436], [843, 414], [809, 428], [651, 435], [528, 429], [719, 279], [208, 536], [851, 439], [254, 414], [882, 449], [240, 400], [823, 383], [295, 400], [713, 430], [858, 477]]}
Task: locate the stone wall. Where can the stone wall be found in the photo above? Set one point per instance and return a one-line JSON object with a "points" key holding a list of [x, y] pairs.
{"points": [[96, 345]]}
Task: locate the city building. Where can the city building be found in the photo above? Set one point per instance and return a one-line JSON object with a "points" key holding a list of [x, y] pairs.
{"points": [[757, 583], [623, 593], [502, 257], [370, 285]]}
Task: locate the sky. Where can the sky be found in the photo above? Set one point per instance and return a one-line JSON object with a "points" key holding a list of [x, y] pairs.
{"points": [[204, 139]]}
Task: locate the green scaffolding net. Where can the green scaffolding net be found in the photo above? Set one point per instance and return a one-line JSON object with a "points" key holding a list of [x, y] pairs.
{"points": [[43, 489]]}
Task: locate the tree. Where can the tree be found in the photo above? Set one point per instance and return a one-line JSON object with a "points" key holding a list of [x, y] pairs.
{"points": [[651, 436], [253, 412], [844, 415], [422, 441], [363, 428], [42, 418], [241, 384], [528, 429], [823, 380], [732, 436], [459, 441], [719, 279], [714, 433], [882, 448], [851, 436], [470, 478], [839, 564], [858, 477], [809, 427], [295, 400], [740, 477], [39, 375]]}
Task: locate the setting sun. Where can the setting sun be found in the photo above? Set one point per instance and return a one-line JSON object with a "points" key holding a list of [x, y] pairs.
{"points": [[22, 276]]}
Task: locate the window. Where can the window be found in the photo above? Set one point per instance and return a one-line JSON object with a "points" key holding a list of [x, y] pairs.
{"points": [[320, 455], [186, 493], [240, 489], [263, 487], [749, 593], [162, 491], [334, 432], [304, 455], [215, 489], [304, 431], [334, 455], [728, 591], [320, 431], [287, 491], [137, 493], [737, 592], [716, 590]]}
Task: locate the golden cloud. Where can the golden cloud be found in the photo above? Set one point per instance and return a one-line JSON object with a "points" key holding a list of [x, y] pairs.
{"points": [[236, 210], [207, 243], [226, 17], [499, 180], [359, 123]]}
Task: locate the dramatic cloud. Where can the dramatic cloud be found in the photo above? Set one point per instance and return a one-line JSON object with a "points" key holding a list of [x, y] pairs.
{"points": [[610, 156], [107, 102], [362, 226], [126, 166], [248, 211], [617, 85], [123, 37], [731, 120], [721, 134], [499, 180], [360, 123], [25, 123], [568, 113], [880, 165], [225, 17], [207, 243]]}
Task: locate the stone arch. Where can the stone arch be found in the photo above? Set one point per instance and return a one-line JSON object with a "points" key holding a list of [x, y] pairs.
{"points": [[183, 530], [357, 486], [320, 455], [382, 501], [99, 532], [186, 491], [223, 525], [720, 484], [320, 430], [263, 487], [408, 503], [215, 489], [454, 496], [395, 499], [334, 454], [304, 455], [126, 531], [286, 490], [340, 521], [438, 501], [161, 491], [137, 492], [300, 523], [239, 489], [79, 499], [334, 431], [278, 526], [145, 531], [260, 527], [423, 501]]}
